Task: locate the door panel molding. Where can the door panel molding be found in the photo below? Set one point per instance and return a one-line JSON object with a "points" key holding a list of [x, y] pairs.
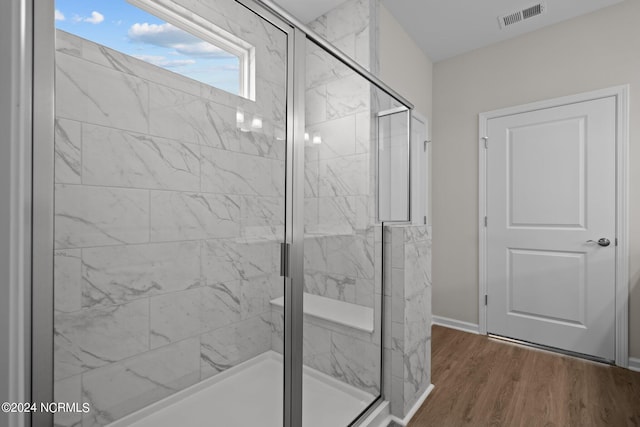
{"points": [[621, 94]]}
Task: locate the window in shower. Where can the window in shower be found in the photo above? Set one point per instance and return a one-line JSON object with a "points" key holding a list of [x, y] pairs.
{"points": [[166, 35]]}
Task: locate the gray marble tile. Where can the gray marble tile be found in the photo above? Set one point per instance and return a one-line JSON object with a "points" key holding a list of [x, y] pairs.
{"points": [[68, 151], [174, 317], [112, 157], [112, 275], [67, 280], [91, 338], [230, 345], [229, 259], [122, 388], [219, 305], [68, 390], [232, 173], [96, 216], [183, 216]]}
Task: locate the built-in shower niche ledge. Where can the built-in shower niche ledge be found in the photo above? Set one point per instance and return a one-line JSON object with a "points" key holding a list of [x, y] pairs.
{"points": [[331, 310]]}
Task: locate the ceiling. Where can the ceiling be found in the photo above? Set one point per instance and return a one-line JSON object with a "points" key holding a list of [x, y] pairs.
{"points": [[446, 28]]}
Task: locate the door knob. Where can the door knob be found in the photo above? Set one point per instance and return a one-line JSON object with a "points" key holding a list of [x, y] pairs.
{"points": [[602, 242]]}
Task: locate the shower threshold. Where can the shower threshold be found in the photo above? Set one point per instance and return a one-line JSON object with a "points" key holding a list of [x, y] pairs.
{"points": [[250, 394]]}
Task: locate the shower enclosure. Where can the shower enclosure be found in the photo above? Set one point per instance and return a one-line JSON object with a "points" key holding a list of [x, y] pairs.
{"points": [[207, 240]]}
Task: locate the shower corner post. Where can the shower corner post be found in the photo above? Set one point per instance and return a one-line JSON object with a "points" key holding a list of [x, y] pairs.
{"points": [[294, 289], [41, 359]]}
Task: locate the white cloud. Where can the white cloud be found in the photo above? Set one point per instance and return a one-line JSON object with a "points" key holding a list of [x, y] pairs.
{"points": [[59, 15], [95, 18], [169, 36]]}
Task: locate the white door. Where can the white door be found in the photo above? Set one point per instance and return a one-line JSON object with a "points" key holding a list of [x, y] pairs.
{"points": [[551, 196]]}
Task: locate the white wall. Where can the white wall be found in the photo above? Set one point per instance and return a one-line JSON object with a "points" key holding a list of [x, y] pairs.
{"points": [[594, 51], [406, 68]]}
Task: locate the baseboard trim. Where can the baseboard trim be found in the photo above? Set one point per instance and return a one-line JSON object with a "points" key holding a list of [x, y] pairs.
{"points": [[405, 421], [634, 364], [455, 324]]}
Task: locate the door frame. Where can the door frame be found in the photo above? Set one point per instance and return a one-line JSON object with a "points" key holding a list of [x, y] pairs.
{"points": [[621, 93]]}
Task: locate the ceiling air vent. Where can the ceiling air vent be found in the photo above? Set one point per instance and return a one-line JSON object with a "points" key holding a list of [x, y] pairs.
{"points": [[521, 15]]}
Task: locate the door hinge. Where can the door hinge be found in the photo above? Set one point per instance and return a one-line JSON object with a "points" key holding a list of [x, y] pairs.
{"points": [[616, 241], [284, 259], [425, 144], [486, 222], [486, 299], [425, 220], [486, 141]]}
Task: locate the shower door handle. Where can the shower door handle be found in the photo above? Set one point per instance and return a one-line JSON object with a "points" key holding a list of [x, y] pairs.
{"points": [[284, 259]]}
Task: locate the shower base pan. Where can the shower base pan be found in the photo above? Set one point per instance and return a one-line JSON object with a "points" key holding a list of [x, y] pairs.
{"points": [[250, 394]]}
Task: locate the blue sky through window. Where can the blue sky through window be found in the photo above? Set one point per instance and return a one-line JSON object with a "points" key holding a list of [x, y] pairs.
{"points": [[130, 30]]}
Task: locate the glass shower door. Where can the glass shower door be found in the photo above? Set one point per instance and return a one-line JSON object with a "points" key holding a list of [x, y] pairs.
{"points": [[170, 167]]}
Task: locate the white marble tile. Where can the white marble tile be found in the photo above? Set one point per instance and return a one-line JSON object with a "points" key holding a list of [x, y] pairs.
{"points": [[174, 317], [355, 362], [112, 157], [94, 216], [344, 176], [256, 294], [315, 254], [230, 345], [68, 390], [351, 17], [416, 378], [122, 388], [351, 256], [182, 216], [338, 137], [178, 115], [365, 292], [224, 260], [263, 143], [116, 99], [92, 338], [68, 43], [232, 173], [348, 96], [68, 151], [322, 68], [112, 275], [338, 214], [262, 217], [219, 305], [332, 286], [316, 105], [316, 348], [365, 140], [67, 280], [276, 325]]}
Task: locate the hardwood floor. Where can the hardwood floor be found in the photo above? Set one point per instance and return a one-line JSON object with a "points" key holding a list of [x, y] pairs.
{"points": [[485, 382]]}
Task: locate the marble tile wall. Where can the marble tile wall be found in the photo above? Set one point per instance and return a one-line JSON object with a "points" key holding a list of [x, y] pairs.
{"points": [[407, 339], [168, 218]]}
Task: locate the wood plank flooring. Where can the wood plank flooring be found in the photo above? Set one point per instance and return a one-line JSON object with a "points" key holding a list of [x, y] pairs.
{"points": [[485, 382]]}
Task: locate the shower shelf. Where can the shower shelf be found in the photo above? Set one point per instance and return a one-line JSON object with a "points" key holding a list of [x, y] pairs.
{"points": [[331, 310]]}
